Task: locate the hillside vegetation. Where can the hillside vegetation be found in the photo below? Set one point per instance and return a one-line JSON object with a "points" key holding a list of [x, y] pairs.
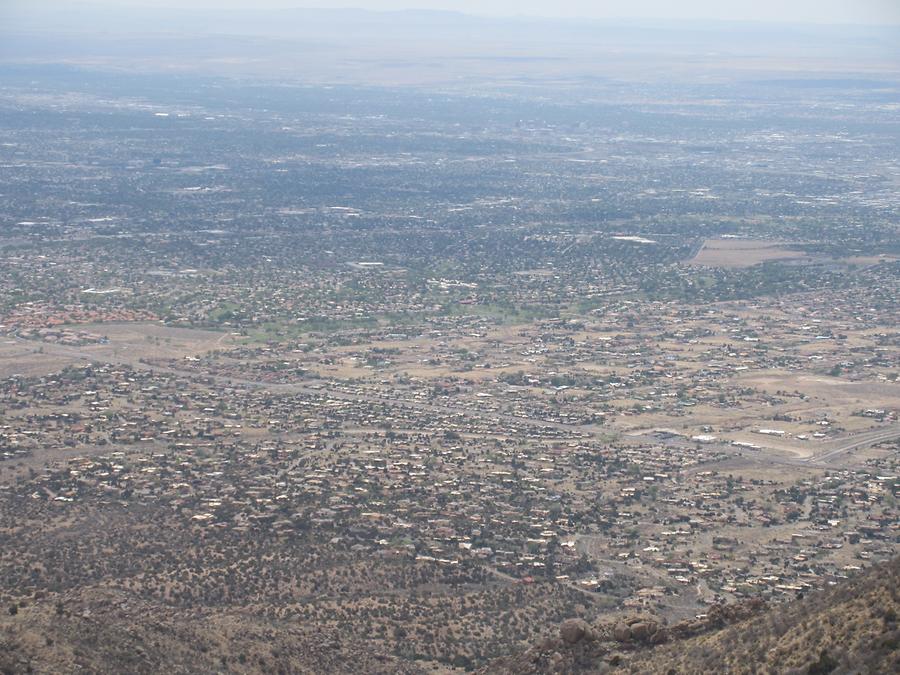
{"points": [[850, 628]]}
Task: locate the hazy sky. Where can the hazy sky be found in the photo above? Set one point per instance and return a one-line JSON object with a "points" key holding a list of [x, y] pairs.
{"points": [[817, 11]]}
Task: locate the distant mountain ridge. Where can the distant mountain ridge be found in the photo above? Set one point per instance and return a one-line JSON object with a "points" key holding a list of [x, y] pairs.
{"points": [[426, 48], [89, 17]]}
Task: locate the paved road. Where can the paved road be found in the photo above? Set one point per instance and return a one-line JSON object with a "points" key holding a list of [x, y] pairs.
{"points": [[831, 451], [854, 442]]}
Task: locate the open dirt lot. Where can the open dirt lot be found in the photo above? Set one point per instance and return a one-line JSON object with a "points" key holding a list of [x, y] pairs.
{"points": [[131, 341], [743, 252]]}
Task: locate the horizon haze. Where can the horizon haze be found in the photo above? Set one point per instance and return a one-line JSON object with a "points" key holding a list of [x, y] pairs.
{"points": [[870, 12]]}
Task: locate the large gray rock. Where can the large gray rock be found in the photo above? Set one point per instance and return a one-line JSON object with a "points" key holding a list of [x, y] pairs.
{"points": [[622, 632], [640, 631], [573, 631]]}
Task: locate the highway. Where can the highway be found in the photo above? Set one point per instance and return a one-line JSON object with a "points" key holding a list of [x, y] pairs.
{"points": [[861, 440]]}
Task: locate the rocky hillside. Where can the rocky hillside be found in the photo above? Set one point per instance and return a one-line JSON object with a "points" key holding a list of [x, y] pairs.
{"points": [[851, 628], [107, 632]]}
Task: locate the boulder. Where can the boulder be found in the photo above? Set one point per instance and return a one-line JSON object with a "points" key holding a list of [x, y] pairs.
{"points": [[659, 636], [574, 631], [622, 632], [640, 631]]}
